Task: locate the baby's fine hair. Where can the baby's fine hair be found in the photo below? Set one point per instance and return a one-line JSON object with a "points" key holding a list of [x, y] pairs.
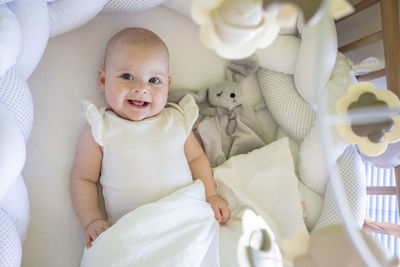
{"points": [[135, 36]]}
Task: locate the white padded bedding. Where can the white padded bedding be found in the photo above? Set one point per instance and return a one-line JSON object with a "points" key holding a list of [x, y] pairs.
{"points": [[65, 76]]}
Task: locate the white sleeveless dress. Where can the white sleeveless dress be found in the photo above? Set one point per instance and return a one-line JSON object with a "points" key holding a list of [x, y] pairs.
{"points": [[142, 161]]}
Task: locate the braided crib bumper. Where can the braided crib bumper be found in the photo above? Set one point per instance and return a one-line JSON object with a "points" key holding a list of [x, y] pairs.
{"points": [[25, 27], [16, 118]]}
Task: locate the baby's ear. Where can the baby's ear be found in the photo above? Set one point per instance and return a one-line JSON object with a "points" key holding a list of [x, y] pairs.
{"points": [[169, 82], [101, 79]]}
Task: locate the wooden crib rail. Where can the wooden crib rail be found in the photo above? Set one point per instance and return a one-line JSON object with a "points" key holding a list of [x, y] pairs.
{"points": [[390, 35], [372, 38], [391, 43], [372, 75]]}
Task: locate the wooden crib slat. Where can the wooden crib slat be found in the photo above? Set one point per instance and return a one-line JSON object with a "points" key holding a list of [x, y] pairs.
{"points": [[371, 76], [362, 42], [381, 190], [391, 43]]}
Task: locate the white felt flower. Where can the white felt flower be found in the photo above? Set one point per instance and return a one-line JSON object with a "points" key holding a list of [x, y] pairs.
{"points": [[373, 135], [235, 28]]}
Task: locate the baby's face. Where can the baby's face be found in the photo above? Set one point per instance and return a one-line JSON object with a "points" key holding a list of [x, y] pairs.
{"points": [[135, 80]]}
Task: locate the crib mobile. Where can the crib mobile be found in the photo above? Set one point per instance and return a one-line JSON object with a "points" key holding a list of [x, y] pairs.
{"points": [[25, 27]]}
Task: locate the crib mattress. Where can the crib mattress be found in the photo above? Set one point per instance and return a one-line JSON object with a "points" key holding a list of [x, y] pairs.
{"points": [[65, 76]]}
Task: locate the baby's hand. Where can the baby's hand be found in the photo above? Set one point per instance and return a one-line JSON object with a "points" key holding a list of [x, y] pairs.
{"points": [[220, 207], [94, 229]]}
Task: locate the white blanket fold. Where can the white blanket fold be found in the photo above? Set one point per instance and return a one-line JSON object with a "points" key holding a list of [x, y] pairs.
{"points": [[178, 230], [265, 181]]}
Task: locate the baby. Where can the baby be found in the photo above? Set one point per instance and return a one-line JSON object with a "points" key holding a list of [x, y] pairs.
{"points": [[141, 148]]}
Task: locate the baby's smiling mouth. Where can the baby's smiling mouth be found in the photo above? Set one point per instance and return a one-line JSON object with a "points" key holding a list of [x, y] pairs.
{"points": [[138, 103]]}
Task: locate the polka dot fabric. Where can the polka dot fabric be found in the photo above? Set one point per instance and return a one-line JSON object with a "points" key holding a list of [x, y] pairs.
{"points": [[114, 6], [10, 244], [292, 113], [352, 177], [16, 97], [296, 117]]}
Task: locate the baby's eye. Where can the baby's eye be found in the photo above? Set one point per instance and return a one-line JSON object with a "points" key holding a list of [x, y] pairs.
{"points": [[127, 76], [154, 80]]}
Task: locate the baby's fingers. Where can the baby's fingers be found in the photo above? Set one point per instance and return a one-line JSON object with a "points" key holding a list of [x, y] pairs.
{"points": [[88, 241], [99, 231], [225, 214], [94, 235], [217, 213], [91, 236], [102, 229]]}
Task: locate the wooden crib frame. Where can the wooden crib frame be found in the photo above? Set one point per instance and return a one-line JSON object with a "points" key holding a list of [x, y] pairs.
{"points": [[390, 34]]}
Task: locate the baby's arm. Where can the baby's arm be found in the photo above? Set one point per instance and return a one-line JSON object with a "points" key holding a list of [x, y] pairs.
{"points": [[84, 177], [201, 169]]}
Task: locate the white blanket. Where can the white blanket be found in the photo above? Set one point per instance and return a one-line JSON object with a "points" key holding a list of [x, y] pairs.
{"points": [[178, 230], [263, 180]]}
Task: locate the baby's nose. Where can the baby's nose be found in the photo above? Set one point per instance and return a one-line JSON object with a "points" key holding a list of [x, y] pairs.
{"points": [[233, 95], [140, 88]]}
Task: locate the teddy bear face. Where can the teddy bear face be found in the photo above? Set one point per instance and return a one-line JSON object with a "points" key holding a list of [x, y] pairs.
{"points": [[226, 95]]}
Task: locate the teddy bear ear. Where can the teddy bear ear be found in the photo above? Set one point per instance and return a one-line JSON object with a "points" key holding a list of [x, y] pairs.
{"points": [[200, 96], [237, 70]]}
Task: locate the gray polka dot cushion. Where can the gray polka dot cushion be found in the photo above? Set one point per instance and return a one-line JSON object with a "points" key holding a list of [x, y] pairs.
{"points": [[10, 244], [352, 178], [16, 97], [290, 111], [114, 6]]}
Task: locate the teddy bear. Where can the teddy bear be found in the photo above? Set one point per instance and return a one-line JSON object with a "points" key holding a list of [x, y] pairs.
{"points": [[25, 27], [225, 126]]}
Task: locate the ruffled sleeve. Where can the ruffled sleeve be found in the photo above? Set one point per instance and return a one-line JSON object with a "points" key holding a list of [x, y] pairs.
{"points": [[95, 118], [190, 109]]}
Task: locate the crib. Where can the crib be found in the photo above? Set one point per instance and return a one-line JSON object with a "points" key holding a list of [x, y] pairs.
{"points": [[38, 224]]}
